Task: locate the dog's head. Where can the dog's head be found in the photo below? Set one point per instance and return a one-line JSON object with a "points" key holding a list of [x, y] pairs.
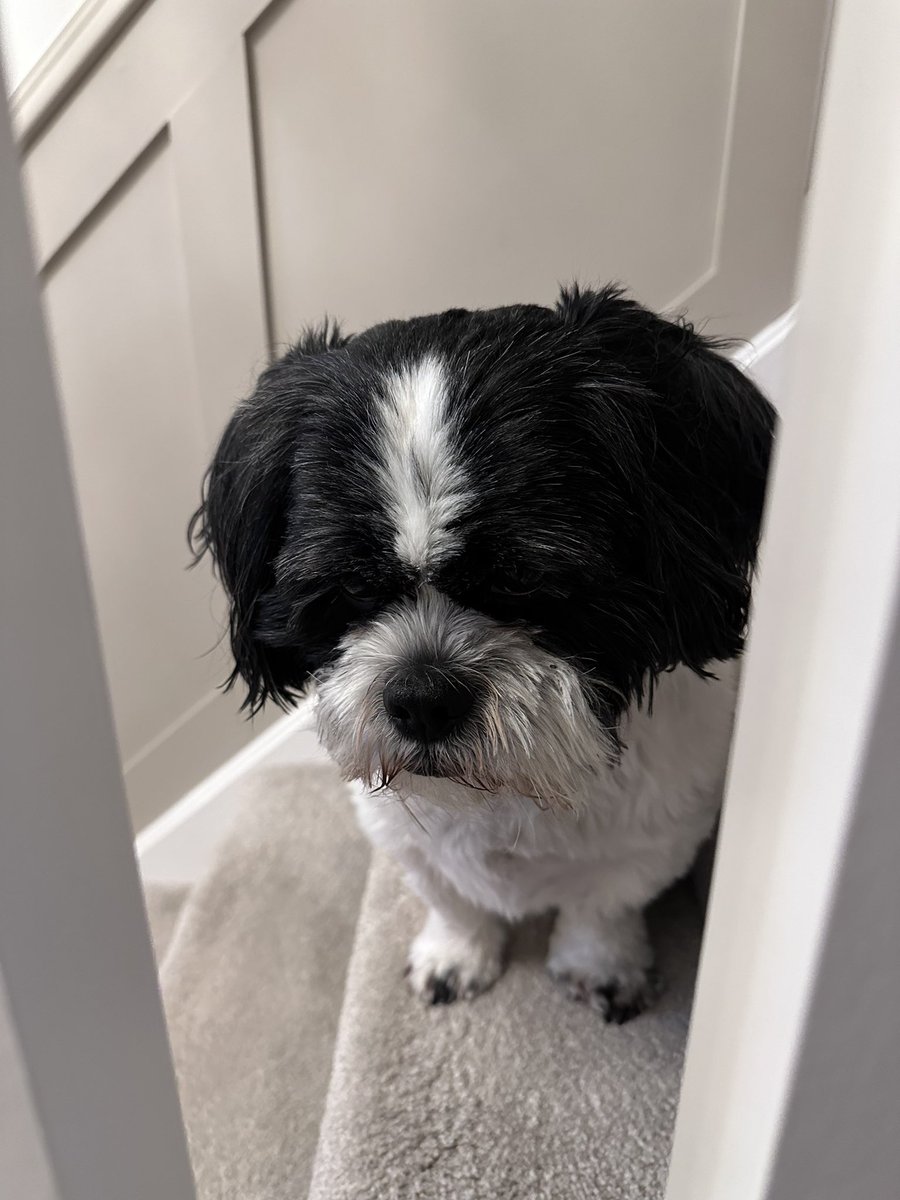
{"points": [[483, 535]]}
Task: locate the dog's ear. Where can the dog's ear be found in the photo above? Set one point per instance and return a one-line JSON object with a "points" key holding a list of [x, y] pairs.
{"points": [[241, 520], [692, 437], [706, 497]]}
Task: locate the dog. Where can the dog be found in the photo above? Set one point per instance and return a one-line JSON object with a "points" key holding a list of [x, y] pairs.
{"points": [[511, 552]]}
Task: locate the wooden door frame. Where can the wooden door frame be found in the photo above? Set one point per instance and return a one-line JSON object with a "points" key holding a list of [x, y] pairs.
{"points": [[93, 1079]]}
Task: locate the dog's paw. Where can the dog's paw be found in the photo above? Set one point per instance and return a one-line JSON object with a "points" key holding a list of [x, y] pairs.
{"points": [[605, 962], [445, 966], [617, 1000]]}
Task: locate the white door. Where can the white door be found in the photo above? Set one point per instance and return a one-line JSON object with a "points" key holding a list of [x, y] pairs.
{"points": [[88, 1105], [792, 1078], [226, 170]]}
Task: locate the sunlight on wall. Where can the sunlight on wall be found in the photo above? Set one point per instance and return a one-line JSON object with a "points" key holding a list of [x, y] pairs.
{"points": [[27, 28]]}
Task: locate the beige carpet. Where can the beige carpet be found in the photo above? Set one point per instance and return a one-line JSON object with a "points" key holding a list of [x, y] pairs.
{"points": [[307, 1070], [252, 982]]}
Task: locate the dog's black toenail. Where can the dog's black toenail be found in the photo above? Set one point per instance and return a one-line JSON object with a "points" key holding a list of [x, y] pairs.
{"points": [[618, 1014], [442, 990], [615, 1008]]}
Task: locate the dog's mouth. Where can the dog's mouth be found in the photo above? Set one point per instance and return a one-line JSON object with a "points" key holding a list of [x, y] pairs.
{"points": [[423, 763], [385, 774], [429, 763], [385, 768], [426, 767]]}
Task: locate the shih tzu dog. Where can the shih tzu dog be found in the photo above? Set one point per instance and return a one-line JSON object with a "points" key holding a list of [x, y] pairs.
{"points": [[511, 551]]}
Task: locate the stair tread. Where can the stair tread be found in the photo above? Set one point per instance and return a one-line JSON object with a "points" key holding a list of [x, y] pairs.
{"points": [[253, 979], [520, 1093], [165, 903]]}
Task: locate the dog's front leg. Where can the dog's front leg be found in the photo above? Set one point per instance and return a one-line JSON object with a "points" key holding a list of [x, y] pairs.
{"points": [[459, 951], [602, 957]]}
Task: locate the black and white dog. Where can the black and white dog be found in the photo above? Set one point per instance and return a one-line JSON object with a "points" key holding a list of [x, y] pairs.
{"points": [[512, 551]]}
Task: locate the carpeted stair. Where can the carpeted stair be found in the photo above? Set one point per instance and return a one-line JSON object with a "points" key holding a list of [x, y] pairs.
{"points": [[307, 1070]]}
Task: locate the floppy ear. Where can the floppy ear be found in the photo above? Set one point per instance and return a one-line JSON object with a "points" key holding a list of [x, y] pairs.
{"points": [[693, 436], [241, 520], [708, 486]]}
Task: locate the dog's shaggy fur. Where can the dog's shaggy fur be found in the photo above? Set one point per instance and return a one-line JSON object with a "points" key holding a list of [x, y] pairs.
{"points": [[512, 552]]}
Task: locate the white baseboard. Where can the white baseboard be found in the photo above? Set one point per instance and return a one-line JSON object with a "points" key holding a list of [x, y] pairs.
{"points": [[765, 357], [178, 846]]}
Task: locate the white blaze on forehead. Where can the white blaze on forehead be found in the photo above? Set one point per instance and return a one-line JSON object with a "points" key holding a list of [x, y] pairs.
{"points": [[423, 482]]}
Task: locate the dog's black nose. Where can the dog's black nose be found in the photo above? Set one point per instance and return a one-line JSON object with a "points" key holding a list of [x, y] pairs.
{"points": [[426, 703]]}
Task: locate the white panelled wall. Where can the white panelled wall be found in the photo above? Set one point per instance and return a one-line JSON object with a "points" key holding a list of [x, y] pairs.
{"points": [[180, 845], [205, 176]]}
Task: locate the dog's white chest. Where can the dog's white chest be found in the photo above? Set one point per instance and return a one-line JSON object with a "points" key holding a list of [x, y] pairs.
{"points": [[637, 826]]}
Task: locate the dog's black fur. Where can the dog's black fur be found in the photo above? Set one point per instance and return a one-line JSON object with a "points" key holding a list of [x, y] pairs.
{"points": [[618, 464]]}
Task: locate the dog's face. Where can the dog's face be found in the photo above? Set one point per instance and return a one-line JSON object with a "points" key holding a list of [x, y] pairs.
{"points": [[484, 534]]}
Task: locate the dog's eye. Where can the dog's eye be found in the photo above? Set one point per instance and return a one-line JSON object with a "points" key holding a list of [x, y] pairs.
{"points": [[359, 592], [520, 582]]}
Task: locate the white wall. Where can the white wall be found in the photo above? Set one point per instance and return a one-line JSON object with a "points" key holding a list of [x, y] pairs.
{"points": [[215, 209], [27, 28]]}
